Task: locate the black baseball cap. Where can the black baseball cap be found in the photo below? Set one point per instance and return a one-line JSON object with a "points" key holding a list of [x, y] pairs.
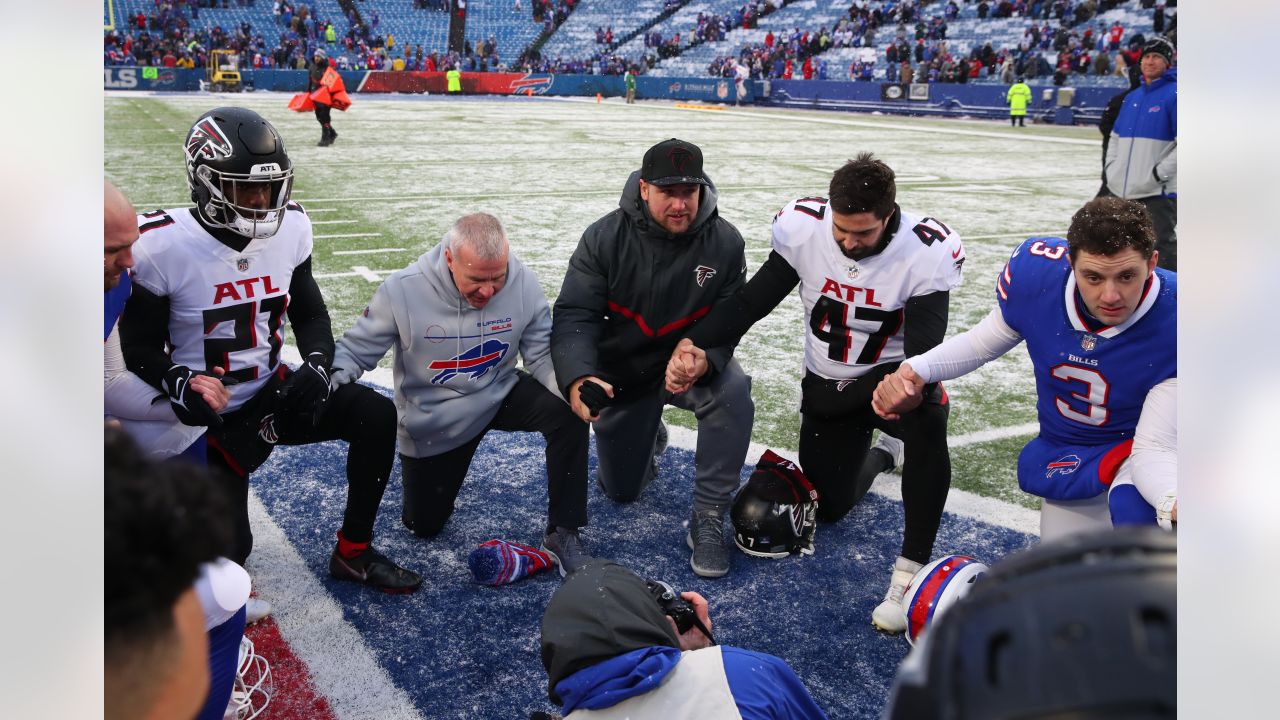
{"points": [[673, 162]]}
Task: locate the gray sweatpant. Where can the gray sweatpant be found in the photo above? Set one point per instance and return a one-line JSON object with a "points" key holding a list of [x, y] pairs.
{"points": [[626, 434]]}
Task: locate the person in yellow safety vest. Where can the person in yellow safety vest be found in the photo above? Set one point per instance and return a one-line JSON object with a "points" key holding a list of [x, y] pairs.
{"points": [[455, 80], [1018, 96], [330, 35]]}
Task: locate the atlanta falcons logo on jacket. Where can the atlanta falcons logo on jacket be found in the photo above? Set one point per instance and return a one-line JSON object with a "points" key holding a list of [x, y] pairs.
{"points": [[703, 273]]}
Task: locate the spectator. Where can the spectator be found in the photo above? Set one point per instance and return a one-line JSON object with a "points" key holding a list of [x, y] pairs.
{"points": [[1142, 153], [323, 111], [609, 645], [443, 412], [610, 364]]}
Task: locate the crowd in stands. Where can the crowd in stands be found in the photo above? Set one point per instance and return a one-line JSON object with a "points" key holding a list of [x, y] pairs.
{"points": [[1061, 39]]}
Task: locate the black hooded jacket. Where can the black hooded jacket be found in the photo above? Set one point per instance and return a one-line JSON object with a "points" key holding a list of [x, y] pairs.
{"points": [[603, 610], [633, 290]]}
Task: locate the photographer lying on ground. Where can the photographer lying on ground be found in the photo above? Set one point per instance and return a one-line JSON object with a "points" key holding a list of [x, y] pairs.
{"points": [[610, 643]]}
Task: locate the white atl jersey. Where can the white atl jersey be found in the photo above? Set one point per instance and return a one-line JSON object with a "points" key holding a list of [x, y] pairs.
{"points": [[226, 308], [853, 308]]}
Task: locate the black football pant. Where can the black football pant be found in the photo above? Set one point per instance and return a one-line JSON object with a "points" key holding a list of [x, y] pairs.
{"points": [[834, 456], [360, 415], [431, 484]]}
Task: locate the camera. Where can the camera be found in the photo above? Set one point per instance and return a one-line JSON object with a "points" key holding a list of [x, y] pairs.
{"points": [[676, 607]]}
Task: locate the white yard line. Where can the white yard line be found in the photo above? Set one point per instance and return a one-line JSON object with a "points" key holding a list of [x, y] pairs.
{"points": [[366, 273], [311, 621], [346, 235], [359, 271], [368, 252], [334, 222]]}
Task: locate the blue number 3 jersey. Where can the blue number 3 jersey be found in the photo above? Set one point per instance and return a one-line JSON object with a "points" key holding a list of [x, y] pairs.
{"points": [[1091, 379]]}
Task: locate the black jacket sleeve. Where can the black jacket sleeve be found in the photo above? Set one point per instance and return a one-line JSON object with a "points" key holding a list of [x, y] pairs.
{"points": [[732, 318], [577, 322], [144, 333], [308, 315], [924, 324]]}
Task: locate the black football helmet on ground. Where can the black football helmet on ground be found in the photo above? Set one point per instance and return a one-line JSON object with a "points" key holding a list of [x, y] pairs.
{"points": [[238, 171], [775, 513]]}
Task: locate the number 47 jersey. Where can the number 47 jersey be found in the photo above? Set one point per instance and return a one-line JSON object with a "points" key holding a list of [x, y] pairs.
{"points": [[1091, 378], [854, 308], [226, 308]]}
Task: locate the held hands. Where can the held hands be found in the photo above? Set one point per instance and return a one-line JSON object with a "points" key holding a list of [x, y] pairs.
{"points": [[694, 639], [196, 397], [588, 396], [688, 363], [304, 394], [898, 392]]}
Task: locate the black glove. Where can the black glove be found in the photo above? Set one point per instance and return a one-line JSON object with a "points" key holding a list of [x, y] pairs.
{"points": [[188, 404], [592, 395], [304, 394]]}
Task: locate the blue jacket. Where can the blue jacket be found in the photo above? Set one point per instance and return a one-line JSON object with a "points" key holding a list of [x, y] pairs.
{"points": [[663, 682], [1142, 155]]}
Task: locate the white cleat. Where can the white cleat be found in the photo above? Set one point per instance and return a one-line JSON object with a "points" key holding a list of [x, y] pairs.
{"points": [[894, 447], [256, 609], [889, 615]]}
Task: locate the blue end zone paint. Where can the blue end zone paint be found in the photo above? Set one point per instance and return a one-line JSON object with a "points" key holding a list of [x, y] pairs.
{"points": [[462, 650]]}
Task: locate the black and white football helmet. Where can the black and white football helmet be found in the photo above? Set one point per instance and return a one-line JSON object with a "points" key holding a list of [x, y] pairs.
{"points": [[775, 513], [238, 171]]}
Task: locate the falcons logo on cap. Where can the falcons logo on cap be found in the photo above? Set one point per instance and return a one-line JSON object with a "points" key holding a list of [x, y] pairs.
{"points": [[208, 140], [703, 273], [679, 158]]}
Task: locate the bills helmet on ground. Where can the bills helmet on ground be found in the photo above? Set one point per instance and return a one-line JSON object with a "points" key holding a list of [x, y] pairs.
{"points": [[1081, 627], [775, 513], [238, 171], [937, 587]]}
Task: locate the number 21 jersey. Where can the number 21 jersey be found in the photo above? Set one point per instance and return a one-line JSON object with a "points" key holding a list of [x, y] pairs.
{"points": [[226, 307]]}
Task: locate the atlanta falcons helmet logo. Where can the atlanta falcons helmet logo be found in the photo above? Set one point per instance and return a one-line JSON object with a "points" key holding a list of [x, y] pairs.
{"points": [[703, 273], [207, 140]]}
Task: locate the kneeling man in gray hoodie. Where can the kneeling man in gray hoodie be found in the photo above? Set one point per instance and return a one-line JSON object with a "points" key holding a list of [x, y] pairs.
{"points": [[456, 318]]}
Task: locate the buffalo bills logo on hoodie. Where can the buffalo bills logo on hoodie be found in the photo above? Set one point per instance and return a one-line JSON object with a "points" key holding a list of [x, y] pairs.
{"points": [[475, 362]]}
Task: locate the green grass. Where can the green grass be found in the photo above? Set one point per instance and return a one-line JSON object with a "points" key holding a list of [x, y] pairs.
{"points": [[402, 171]]}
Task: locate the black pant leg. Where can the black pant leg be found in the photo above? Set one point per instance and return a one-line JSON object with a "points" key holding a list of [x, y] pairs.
{"points": [[832, 452], [322, 114], [1164, 215], [926, 472], [431, 486], [530, 406], [237, 494], [366, 419]]}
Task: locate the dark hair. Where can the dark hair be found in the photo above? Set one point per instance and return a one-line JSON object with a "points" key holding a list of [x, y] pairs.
{"points": [[161, 522], [1109, 225], [863, 185]]}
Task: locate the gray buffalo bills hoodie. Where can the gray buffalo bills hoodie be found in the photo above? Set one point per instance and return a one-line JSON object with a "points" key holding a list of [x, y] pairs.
{"points": [[453, 363]]}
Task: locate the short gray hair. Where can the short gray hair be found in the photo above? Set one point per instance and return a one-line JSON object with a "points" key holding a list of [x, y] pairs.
{"points": [[481, 232]]}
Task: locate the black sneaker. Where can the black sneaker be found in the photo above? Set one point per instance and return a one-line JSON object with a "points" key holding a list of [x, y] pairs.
{"points": [[706, 539], [566, 549], [374, 569]]}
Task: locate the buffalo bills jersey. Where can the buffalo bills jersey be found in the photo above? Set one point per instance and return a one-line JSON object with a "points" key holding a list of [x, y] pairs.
{"points": [[113, 302], [226, 307], [1091, 378], [854, 308]]}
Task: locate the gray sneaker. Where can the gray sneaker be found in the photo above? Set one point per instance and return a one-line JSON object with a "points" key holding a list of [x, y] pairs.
{"points": [[566, 549], [706, 539]]}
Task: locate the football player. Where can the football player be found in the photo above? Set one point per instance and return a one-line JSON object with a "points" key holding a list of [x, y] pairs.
{"points": [[1100, 322], [126, 397], [212, 284], [875, 281]]}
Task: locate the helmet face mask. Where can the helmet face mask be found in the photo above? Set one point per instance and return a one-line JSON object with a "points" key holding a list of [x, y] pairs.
{"points": [[776, 513], [239, 174]]}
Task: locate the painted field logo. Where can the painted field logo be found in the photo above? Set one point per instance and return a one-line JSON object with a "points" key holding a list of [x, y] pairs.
{"points": [[475, 362], [1065, 465]]}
